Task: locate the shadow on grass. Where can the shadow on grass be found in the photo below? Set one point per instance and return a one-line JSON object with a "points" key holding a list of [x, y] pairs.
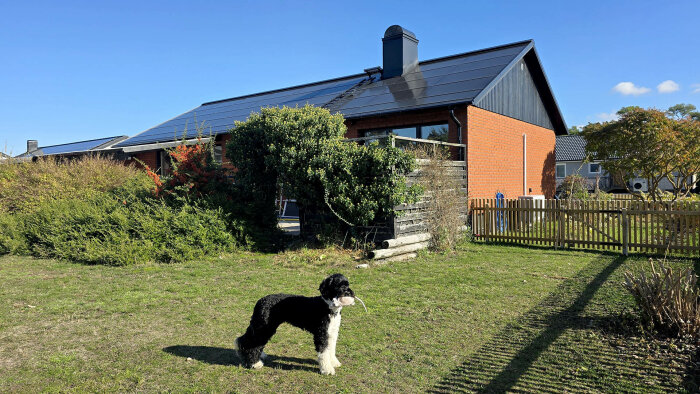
{"points": [[504, 361], [223, 356]]}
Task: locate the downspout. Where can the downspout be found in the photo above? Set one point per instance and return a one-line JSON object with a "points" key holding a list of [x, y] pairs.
{"points": [[524, 164], [459, 131]]}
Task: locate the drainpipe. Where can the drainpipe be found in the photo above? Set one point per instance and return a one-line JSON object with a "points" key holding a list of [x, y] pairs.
{"points": [[459, 131], [524, 164]]}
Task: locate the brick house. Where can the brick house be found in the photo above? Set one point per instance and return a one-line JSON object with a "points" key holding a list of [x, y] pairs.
{"points": [[495, 101]]}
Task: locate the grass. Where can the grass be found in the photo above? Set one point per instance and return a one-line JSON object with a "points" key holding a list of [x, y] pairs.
{"points": [[488, 318]]}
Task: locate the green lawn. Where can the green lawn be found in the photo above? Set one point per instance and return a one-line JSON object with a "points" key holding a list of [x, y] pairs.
{"points": [[486, 318]]}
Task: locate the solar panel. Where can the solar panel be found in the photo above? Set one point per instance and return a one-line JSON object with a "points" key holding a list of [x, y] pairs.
{"points": [[73, 147], [445, 81], [220, 116]]}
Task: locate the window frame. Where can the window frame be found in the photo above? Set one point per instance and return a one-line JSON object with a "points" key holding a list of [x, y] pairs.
{"points": [[600, 168], [556, 173]]}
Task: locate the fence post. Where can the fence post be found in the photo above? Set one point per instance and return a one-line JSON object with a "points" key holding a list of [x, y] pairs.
{"points": [[625, 232], [487, 222], [560, 233]]}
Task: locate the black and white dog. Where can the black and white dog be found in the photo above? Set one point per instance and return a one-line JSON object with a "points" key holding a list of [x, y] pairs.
{"points": [[318, 315]]}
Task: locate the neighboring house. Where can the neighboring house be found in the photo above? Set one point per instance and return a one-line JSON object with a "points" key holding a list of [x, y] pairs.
{"points": [[4, 156], [72, 149], [497, 101], [571, 159]]}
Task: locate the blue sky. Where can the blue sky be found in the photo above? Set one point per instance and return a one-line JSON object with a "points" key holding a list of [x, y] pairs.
{"points": [[79, 70]]}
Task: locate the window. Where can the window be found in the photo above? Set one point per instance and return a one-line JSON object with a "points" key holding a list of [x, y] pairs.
{"points": [[436, 132], [218, 156], [593, 168], [561, 170]]}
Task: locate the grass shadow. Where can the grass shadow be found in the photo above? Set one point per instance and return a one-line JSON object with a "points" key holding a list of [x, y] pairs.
{"points": [[224, 356], [501, 363]]}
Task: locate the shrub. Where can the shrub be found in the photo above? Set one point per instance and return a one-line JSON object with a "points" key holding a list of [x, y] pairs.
{"points": [[25, 185], [115, 230], [194, 172], [575, 186], [444, 197], [668, 299], [302, 149]]}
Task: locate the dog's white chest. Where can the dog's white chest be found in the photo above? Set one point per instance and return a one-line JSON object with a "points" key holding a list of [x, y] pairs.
{"points": [[334, 326]]}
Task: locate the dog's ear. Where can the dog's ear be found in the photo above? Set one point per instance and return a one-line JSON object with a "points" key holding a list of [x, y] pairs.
{"points": [[325, 287]]}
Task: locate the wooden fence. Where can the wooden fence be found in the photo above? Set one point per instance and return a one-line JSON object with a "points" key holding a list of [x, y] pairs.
{"points": [[627, 226]]}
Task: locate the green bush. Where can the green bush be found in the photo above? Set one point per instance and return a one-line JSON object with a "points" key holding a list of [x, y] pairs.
{"points": [[109, 229], [302, 149], [25, 185]]}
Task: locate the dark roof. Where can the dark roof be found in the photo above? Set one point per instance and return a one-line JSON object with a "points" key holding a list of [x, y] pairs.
{"points": [[570, 148], [73, 147], [457, 79]]}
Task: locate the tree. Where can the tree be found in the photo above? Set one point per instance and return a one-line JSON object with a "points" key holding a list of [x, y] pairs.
{"points": [[574, 130], [681, 111], [640, 143], [628, 109], [650, 144]]}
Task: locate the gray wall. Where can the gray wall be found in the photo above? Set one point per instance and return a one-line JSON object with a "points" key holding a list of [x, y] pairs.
{"points": [[517, 96]]}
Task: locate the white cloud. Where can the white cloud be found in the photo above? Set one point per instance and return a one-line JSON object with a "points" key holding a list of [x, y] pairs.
{"points": [[606, 117], [628, 88], [696, 87], [667, 87]]}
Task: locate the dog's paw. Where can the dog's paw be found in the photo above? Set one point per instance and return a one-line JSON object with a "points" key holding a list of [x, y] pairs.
{"points": [[257, 365], [335, 363], [330, 371]]}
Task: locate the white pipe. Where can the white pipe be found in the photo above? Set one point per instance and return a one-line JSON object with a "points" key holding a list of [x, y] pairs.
{"points": [[524, 164]]}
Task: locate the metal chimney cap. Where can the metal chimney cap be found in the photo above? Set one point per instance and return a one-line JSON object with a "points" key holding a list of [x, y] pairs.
{"points": [[395, 30]]}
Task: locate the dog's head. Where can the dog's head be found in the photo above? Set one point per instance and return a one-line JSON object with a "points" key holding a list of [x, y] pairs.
{"points": [[336, 289]]}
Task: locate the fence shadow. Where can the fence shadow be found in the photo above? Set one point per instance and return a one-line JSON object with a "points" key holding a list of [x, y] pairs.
{"points": [[504, 360]]}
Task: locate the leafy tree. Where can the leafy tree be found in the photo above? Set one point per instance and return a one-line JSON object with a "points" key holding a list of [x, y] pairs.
{"points": [[648, 144], [637, 144], [303, 150], [680, 111], [574, 130], [628, 109]]}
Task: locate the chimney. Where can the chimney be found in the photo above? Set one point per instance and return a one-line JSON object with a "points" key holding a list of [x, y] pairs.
{"points": [[32, 145], [400, 51]]}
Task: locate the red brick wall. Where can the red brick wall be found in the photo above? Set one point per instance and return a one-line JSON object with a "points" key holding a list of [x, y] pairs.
{"points": [[495, 156], [149, 158]]}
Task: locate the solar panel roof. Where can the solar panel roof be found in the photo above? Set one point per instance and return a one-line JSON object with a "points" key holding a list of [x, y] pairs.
{"points": [[439, 82], [73, 147]]}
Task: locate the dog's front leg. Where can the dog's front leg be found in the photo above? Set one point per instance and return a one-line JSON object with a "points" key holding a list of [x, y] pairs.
{"points": [[325, 357], [333, 329]]}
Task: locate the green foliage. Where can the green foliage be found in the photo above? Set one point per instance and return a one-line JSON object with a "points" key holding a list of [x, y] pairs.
{"points": [[648, 144], [575, 186], [120, 230], [574, 130], [25, 185], [680, 111], [302, 149], [121, 222]]}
